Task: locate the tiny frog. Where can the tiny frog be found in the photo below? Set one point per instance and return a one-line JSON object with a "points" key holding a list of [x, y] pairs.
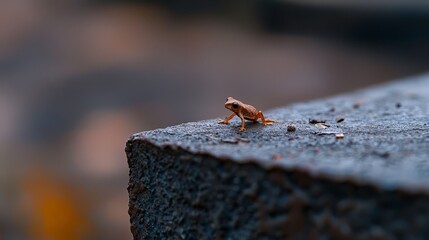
{"points": [[244, 111]]}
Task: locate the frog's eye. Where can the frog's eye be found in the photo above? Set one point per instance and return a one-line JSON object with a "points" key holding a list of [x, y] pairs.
{"points": [[227, 99], [235, 105]]}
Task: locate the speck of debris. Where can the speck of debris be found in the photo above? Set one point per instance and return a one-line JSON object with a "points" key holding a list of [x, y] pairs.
{"points": [[338, 120], [358, 103], [277, 156], [339, 135], [326, 133], [323, 133], [382, 154], [314, 121], [291, 128], [322, 125], [242, 139], [235, 140], [229, 140], [398, 105], [332, 109]]}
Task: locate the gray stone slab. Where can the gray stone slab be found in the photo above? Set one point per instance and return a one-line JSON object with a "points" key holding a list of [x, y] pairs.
{"points": [[203, 180]]}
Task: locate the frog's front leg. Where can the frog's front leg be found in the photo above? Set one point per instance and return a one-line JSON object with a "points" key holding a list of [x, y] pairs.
{"points": [[243, 123], [226, 121], [264, 121]]}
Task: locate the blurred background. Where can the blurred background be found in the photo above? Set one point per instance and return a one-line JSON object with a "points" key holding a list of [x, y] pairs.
{"points": [[77, 78]]}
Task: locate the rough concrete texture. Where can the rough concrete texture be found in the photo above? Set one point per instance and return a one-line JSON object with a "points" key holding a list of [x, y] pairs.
{"points": [[203, 180]]}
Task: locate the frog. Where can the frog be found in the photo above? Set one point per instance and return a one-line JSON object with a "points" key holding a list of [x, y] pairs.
{"points": [[244, 112]]}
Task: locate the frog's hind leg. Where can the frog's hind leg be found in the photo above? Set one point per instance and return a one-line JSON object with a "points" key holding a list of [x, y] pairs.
{"points": [[264, 121]]}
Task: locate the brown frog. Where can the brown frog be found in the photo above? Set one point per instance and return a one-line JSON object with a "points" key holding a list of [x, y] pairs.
{"points": [[244, 111]]}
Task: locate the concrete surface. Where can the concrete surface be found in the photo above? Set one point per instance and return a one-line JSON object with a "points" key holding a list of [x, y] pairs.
{"points": [[203, 180]]}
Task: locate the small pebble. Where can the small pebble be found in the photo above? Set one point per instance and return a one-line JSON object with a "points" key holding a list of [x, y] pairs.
{"points": [[339, 135], [277, 156], [339, 120], [314, 121], [291, 128], [398, 105], [322, 125]]}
